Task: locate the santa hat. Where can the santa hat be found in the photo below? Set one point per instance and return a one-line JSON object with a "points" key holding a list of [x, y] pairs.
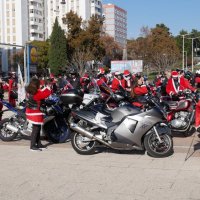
{"points": [[51, 76], [174, 74], [101, 71], [85, 76], [117, 73], [126, 73]]}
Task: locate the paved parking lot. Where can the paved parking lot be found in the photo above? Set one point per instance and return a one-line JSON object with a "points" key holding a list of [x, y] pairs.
{"points": [[60, 173]]}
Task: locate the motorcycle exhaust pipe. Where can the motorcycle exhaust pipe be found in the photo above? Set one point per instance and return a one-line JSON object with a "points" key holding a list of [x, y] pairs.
{"points": [[12, 128], [87, 134]]}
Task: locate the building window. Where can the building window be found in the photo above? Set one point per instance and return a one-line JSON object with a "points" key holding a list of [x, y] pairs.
{"points": [[8, 39], [13, 22], [7, 6], [8, 30], [8, 22], [14, 38], [14, 30]]}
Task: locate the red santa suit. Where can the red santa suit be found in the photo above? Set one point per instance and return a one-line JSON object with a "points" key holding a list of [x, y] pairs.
{"points": [[116, 83], [140, 90], [197, 81], [34, 115], [172, 89], [10, 90]]}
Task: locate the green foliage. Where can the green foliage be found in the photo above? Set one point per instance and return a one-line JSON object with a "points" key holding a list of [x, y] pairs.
{"points": [[57, 50], [42, 53]]}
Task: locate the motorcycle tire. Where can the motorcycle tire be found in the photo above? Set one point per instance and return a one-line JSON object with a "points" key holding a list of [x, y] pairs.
{"points": [[82, 147], [5, 134], [156, 149]]}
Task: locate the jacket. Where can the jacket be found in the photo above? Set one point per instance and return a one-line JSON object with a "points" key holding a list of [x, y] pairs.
{"points": [[33, 113]]}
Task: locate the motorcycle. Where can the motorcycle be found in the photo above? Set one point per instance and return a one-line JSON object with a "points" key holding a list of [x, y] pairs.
{"points": [[181, 111], [125, 128], [54, 128]]}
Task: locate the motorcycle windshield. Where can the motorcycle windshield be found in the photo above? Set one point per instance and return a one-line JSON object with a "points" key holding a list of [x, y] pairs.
{"points": [[105, 88], [94, 87]]}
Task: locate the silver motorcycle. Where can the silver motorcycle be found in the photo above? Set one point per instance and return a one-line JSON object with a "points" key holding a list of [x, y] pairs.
{"points": [[125, 128]]}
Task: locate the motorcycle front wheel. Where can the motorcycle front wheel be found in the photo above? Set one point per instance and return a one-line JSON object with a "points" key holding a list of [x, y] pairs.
{"points": [[156, 149], [81, 145], [6, 134]]}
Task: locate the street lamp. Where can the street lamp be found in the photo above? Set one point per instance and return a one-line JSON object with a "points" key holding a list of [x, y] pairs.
{"points": [[193, 51], [185, 59], [183, 48]]}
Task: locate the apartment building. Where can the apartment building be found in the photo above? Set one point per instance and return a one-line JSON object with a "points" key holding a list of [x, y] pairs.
{"points": [[115, 23], [59, 8]]}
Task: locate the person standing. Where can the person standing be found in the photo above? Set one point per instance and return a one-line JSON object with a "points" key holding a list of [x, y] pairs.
{"points": [[33, 114], [11, 90]]}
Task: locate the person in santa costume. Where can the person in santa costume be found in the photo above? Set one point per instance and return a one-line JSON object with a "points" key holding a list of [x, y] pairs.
{"points": [[11, 89], [176, 84], [138, 91], [197, 78], [85, 82], [101, 76], [128, 80], [33, 114], [117, 82]]}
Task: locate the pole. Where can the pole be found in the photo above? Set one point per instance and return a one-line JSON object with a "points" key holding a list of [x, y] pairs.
{"points": [[186, 60], [193, 51], [25, 62], [183, 53], [28, 63], [192, 55]]}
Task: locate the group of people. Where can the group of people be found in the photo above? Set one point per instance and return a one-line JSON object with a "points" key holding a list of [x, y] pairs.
{"points": [[171, 83]]}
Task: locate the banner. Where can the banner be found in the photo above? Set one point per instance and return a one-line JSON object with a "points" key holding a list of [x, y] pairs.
{"points": [[21, 86], [134, 66]]}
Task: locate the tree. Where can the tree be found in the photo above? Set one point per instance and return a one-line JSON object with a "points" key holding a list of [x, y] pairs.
{"points": [[93, 37], [74, 33], [164, 51], [83, 41], [58, 50], [112, 50], [157, 48], [42, 53], [18, 57]]}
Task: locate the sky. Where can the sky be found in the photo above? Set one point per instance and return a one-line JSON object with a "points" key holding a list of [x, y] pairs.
{"points": [[177, 15]]}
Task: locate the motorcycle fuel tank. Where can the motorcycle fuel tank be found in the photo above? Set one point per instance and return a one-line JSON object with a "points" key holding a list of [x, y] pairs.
{"points": [[118, 114]]}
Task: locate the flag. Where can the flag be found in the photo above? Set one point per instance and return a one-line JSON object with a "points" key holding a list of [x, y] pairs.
{"points": [[21, 86]]}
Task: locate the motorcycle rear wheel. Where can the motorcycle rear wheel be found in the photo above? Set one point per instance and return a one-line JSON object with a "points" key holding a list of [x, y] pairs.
{"points": [[82, 147], [5, 134], [156, 149]]}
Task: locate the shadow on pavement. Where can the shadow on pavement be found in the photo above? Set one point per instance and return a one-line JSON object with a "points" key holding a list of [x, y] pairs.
{"points": [[109, 150]]}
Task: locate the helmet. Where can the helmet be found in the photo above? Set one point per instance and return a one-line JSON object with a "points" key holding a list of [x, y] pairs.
{"points": [[73, 72], [174, 74], [101, 71]]}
